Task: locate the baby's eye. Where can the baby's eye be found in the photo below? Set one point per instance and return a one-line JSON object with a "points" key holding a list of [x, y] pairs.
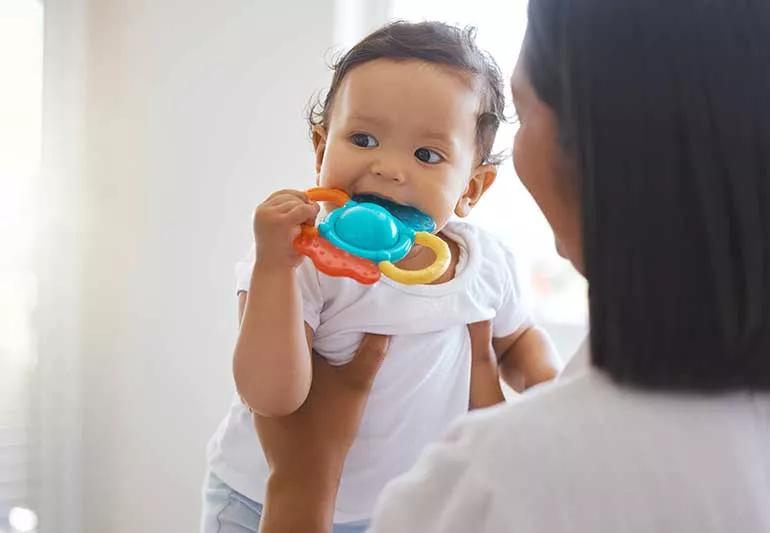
{"points": [[364, 140], [427, 155]]}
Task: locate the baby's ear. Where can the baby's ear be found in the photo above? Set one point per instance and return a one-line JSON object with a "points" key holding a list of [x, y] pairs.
{"points": [[483, 177], [319, 146]]}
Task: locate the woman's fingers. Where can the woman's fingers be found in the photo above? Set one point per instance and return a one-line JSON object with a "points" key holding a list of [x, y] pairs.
{"points": [[485, 379], [361, 371], [481, 341]]}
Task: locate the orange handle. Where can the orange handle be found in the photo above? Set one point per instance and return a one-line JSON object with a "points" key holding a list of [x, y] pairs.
{"points": [[322, 194], [332, 261]]}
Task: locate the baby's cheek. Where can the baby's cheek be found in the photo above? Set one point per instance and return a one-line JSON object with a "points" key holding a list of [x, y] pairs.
{"points": [[341, 169], [333, 177], [325, 181], [441, 214]]}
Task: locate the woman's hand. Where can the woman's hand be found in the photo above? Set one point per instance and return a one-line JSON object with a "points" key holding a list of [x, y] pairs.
{"points": [[306, 449], [485, 378]]}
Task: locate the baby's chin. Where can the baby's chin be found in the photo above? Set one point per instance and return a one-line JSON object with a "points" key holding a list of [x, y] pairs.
{"points": [[441, 223]]}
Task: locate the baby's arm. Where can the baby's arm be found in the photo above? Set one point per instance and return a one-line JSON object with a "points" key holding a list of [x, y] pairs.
{"points": [[271, 362], [526, 358]]}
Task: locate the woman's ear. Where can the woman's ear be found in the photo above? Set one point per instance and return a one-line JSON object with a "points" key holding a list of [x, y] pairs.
{"points": [[483, 177], [319, 146]]}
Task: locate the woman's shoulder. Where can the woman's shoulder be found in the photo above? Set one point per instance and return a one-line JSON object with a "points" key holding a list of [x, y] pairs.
{"points": [[587, 454], [561, 404], [587, 441], [594, 413], [479, 474]]}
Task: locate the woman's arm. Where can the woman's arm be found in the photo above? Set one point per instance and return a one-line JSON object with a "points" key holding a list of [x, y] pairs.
{"points": [[306, 449]]}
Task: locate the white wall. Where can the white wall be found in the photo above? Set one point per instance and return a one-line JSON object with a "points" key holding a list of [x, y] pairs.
{"points": [[58, 317], [194, 114]]}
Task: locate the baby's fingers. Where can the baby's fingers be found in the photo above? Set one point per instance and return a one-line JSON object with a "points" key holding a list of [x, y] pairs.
{"points": [[301, 214], [283, 203], [300, 195]]}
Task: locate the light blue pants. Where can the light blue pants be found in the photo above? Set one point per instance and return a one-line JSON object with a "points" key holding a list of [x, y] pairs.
{"points": [[227, 511]]}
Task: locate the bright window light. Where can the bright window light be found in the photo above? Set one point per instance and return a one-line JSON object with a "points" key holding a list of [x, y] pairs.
{"points": [[21, 83], [22, 520]]}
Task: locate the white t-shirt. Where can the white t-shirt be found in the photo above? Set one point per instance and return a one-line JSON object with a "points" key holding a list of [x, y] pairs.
{"points": [[423, 385], [587, 455]]}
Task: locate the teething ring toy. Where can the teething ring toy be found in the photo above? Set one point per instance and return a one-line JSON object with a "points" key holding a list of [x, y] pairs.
{"points": [[366, 235], [322, 194], [428, 274]]}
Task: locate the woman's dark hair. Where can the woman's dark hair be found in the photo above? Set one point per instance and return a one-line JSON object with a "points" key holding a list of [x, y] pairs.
{"points": [[431, 42], [665, 106]]}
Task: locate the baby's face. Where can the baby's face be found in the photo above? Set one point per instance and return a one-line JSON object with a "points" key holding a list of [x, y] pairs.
{"points": [[405, 131]]}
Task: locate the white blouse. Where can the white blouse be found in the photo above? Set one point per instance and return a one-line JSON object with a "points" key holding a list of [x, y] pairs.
{"points": [[586, 455]]}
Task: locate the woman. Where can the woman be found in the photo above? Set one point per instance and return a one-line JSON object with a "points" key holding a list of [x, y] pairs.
{"points": [[645, 140]]}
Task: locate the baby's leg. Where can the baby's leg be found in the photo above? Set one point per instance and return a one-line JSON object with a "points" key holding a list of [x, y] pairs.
{"points": [[227, 511], [355, 527]]}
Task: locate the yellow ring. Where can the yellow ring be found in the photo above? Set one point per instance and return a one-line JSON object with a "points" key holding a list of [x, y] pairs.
{"points": [[428, 274]]}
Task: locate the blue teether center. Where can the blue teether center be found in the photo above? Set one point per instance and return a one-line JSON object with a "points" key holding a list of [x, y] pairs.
{"points": [[368, 230], [367, 226]]}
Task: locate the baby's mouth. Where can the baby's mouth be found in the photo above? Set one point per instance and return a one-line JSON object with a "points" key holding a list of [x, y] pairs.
{"points": [[411, 216], [375, 198]]}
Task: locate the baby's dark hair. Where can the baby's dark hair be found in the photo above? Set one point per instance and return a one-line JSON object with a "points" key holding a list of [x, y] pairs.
{"points": [[432, 42]]}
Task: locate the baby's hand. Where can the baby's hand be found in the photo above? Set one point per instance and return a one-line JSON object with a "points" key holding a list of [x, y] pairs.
{"points": [[277, 223]]}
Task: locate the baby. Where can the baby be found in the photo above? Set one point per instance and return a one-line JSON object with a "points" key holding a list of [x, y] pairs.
{"points": [[410, 117]]}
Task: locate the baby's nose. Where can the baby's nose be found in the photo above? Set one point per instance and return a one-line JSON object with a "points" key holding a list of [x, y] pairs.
{"points": [[389, 170]]}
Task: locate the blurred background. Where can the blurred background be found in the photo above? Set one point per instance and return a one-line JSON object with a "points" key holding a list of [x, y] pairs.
{"points": [[136, 138]]}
